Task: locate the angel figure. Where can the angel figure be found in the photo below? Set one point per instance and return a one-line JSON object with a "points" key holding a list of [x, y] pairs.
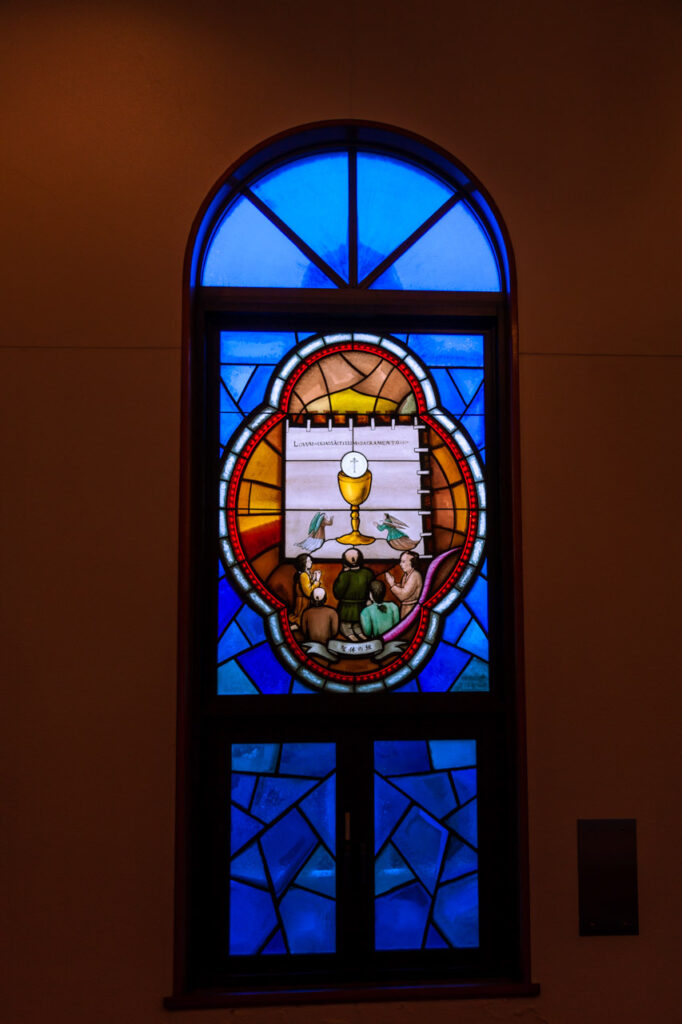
{"points": [[395, 533], [316, 536]]}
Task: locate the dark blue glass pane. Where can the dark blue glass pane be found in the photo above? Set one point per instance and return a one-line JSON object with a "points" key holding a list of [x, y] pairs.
{"points": [[468, 382], [389, 805], [242, 828], [249, 867], [254, 757], [465, 822], [474, 677], [228, 603], [460, 859], [390, 870], [454, 255], [235, 378], [309, 921], [410, 687], [453, 753], [276, 943], [231, 680], [400, 918], [275, 794], [434, 941], [311, 197], [255, 347], [248, 250], [421, 841], [433, 792], [267, 673], [256, 389], [477, 600], [401, 757], [252, 918], [300, 688], [320, 810], [455, 624], [456, 912], [313, 759], [231, 642], [319, 873], [251, 624], [242, 789], [474, 640], [394, 199], [440, 672], [449, 396], [464, 780], [287, 845], [449, 349]]}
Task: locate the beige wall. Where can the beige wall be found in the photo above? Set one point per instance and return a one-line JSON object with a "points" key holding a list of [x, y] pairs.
{"points": [[118, 117]]}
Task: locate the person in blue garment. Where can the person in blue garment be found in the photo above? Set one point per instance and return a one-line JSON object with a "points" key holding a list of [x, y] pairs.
{"points": [[379, 616], [395, 533]]}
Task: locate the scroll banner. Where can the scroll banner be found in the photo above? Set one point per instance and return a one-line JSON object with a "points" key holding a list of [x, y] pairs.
{"points": [[375, 649]]}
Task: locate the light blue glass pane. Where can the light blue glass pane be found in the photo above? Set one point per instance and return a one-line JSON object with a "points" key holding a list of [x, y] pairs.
{"points": [[249, 867], [474, 640], [231, 680], [454, 255], [309, 921], [433, 792], [468, 382], [465, 783], [248, 250], [390, 870], [228, 603], [311, 197], [476, 676], [442, 669], [389, 805], [453, 753], [231, 642], [312, 759], [455, 623], [448, 349], [460, 859], [276, 943], [394, 199], [256, 389], [242, 787], [251, 623], [254, 757], [255, 346], [320, 810], [287, 845], [267, 673], [448, 394], [229, 421], [227, 403], [275, 794], [400, 918], [434, 940], [477, 407], [456, 912], [465, 822], [477, 601], [401, 757], [421, 841], [242, 829], [252, 918], [235, 378], [475, 427], [319, 873]]}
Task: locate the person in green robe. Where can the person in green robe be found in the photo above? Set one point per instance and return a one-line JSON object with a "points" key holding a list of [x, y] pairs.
{"points": [[395, 533], [379, 616], [351, 588]]}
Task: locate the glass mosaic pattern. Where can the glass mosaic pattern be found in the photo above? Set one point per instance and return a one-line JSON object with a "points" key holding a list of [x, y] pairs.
{"points": [[283, 848], [425, 842]]}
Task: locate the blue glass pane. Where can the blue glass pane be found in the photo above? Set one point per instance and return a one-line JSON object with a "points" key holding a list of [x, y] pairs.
{"points": [[231, 642], [433, 792], [256, 389], [454, 255], [311, 197], [276, 943], [300, 688], [477, 601], [460, 859], [475, 427], [410, 687], [474, 640], [229, 421], [456, 912], [320, 810], [228, 603], [389, 805], [453, 753], [400, 918], [231, 680], [440, 672], [394, 199], [401, 757], [236, 378], [254, 757], [227, 403], [242, 787], [252, 918], [251, 623], [319, 873], [313, 759], [449, 349], [390, 870], [249, 867], [465, 822], [275, 794], [309, 921], [434, 941], [464, 780], [242, 828], [421, 841], [474, 677], [287, 845], [449, 396], [455, 624], [248, 250], [255, 346], [267, 673], [468, 382]]}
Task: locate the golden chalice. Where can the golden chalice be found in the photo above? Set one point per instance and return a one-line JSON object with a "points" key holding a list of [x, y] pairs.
{"points": [[355, 482]]}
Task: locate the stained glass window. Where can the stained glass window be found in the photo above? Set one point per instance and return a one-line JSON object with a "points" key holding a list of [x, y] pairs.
{"points": [[349, 441]]}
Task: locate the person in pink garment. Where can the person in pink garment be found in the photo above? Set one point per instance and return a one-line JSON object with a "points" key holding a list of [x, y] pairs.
{"points": [[410, 586]]}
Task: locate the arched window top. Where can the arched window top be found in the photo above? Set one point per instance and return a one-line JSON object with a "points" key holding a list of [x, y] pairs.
{"points": [[367, 210]]}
